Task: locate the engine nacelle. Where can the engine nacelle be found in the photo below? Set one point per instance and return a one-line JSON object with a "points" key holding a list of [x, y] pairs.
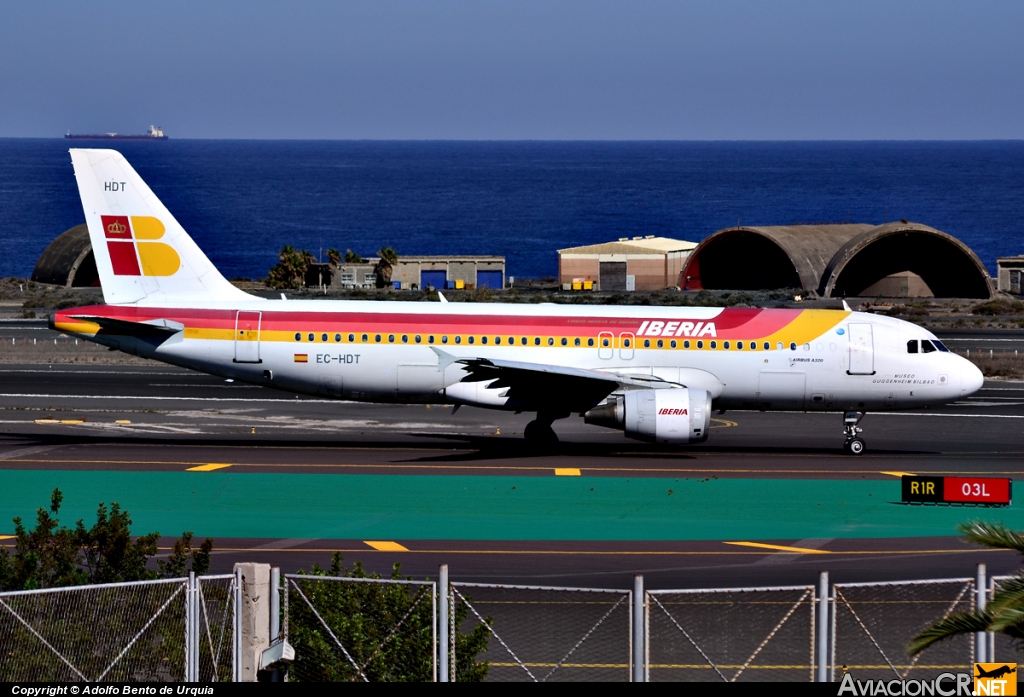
{"points": [[677, 416]]}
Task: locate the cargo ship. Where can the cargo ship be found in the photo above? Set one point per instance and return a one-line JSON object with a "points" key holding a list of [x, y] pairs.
{"points": [[155, 133]]}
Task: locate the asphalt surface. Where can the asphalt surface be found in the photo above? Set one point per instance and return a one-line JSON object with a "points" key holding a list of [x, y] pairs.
{"points": [[62, 422]]}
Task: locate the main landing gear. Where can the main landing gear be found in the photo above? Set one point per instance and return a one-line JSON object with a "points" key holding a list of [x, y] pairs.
{"points": [[539, 434], [854, 444]]}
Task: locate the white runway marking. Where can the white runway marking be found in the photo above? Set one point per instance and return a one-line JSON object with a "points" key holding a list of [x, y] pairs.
{"points": [[167, 399]]}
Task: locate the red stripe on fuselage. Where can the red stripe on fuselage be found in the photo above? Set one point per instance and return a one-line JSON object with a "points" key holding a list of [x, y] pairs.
{"points": [[729, 323]]}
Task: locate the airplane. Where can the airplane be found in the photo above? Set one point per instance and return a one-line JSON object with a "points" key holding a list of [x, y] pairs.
{"points": [[655, 373], [995, 672]]}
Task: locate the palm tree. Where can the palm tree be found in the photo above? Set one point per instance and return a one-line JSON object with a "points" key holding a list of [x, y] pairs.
{"points": [[1004, 613], [382, 271]]}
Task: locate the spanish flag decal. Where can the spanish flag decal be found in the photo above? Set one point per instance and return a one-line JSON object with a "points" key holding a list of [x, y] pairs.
{"points": [[302, 358]]}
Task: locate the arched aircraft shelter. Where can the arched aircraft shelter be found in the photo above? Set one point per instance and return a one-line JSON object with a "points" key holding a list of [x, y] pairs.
{"points": [[900, 259]]}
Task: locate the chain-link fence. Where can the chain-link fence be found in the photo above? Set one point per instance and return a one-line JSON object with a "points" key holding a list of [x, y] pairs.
{"points": [[874, 622], [111, 632], [732, 635], [545, 634], [361, 629], [214, 647], [365, 629]]}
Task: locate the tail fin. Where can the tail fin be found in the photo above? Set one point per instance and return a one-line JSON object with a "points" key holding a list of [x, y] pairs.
{"points": [[142, 254]]}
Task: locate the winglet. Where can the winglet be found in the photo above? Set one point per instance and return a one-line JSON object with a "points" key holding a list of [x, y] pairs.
{"points": [[440, 296], [846, 306]]}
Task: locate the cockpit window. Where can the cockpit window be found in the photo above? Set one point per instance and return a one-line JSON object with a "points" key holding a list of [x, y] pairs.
{"points": [[940, 346], [927, 347], [912, 346]]}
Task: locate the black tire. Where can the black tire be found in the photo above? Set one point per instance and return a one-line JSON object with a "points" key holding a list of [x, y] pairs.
{"points": [[855, 446], [540, 435]]}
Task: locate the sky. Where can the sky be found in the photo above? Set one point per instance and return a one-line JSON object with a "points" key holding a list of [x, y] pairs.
{"points": [[497, 70]]}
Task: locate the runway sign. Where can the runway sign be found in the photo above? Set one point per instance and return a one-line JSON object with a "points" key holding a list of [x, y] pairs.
{"points": [[979, 491]]}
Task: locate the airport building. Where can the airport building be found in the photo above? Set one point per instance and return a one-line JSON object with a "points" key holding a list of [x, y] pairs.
{"points": [[847, 260], [641, 263], [68, 261], [1010, 274], [416, 272]]}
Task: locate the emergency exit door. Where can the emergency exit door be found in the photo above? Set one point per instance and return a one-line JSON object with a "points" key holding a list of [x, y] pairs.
{"points": [[862, 350], [247, 336]]}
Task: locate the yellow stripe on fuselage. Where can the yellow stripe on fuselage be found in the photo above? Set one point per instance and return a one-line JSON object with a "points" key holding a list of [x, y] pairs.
{"points": [[808, 326]]}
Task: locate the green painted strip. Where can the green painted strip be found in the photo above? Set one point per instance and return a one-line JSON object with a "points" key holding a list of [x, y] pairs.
{"points": [[397, 507]]}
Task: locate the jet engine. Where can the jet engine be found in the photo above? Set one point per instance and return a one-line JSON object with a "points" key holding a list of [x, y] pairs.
{"points": [[673, 415]]}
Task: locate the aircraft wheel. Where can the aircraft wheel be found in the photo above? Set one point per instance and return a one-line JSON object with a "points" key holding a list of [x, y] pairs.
{"points": [[855, 446], [540, 434]]}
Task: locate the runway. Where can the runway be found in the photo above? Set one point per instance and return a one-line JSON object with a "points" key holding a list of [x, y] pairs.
{"points": [[420, 486]]}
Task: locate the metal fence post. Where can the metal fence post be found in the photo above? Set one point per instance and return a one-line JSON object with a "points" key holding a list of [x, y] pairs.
{"points": [[191, 635], [275, 614], [822, 628], [442, 623], [639, 631], [980, 638], [236, 634], [991, 635]]}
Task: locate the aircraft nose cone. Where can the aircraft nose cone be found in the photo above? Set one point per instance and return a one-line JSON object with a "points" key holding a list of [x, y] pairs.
{"points": [[971, 379]]}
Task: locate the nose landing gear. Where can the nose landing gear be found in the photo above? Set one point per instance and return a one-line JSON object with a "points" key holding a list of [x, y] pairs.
{"points": [[854, 444]]}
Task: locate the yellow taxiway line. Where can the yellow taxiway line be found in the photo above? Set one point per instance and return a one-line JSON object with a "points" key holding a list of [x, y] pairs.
{"points": [[780, 548]]}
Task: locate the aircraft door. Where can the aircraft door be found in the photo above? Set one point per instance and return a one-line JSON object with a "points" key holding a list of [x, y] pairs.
{"points": [[247, 336], [605, 345], [862, 350], [626, 341]]}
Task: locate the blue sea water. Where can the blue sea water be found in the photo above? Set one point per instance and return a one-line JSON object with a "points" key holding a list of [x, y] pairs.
{"points": [[243, 200]]}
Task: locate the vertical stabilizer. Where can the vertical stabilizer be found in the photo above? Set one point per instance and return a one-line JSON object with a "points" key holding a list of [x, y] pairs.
{"points": [[142, 254]]}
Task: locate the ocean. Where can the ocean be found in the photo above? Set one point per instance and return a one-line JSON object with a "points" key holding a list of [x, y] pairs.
{"points": [[243, 200]]}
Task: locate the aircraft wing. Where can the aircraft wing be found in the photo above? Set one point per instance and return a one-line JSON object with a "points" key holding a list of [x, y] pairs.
{"points": [[548, 387]]}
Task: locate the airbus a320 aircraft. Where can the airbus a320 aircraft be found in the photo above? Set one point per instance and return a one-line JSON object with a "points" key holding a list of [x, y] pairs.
{"points": [[654, 372]]}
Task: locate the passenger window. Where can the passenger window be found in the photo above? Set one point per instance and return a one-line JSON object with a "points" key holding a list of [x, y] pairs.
{"points": [[444, 339], [472, 339], [686, 344], [576, 342], [647, 343], [405, 338], [792, 346], [912, 346], [700, 344], [365, 338], [625, 343], [739, 345], [778, 346], [767, 345], [391, 338], [458, 340], [312, 337], [523, 341], [376, 338], [590, 342], [323, 337], [418, 339], [661, 344], [483, 340], [672, 343], [926, 346], [430, 339], [536, 341], [714, 344], [298, 337], [551, 341], [807, 347]]}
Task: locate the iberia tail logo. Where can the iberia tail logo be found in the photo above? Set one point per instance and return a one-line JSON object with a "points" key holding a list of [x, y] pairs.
{"points": [[133, 251]]}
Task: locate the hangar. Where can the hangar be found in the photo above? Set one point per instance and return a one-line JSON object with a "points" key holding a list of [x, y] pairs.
{"points": [[68, 260], [838, 260]]}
